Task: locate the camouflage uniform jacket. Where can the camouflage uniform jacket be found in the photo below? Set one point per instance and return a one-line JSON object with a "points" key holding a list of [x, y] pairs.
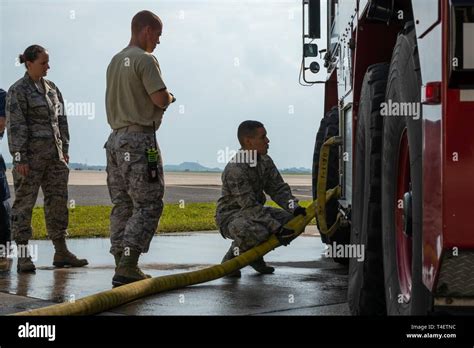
{"points": [[243, 192], [35, 118]]}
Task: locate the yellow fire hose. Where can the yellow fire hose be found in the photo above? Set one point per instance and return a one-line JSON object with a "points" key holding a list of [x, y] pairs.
{"points": [[109, 299], [322, 198]]}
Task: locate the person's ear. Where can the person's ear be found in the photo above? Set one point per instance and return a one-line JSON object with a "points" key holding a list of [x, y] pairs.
{"points": [[149, 30], [248, 142]]}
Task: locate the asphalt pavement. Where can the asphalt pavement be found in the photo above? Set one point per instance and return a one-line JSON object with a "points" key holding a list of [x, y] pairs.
{"points": [[84, 195]]}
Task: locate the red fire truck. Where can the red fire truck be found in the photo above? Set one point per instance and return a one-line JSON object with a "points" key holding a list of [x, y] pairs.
{"points": [[399, 97]]}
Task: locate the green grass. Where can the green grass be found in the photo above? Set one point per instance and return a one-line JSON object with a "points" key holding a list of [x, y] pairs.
{"points": [[93, 221]]}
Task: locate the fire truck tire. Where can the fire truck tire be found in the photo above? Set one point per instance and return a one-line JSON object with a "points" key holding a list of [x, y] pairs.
{"points": [[329, 128], [404, 86], [365, 290]]}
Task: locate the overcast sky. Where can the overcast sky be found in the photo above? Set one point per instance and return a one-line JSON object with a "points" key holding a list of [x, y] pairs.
{"points": [[225, 61]]}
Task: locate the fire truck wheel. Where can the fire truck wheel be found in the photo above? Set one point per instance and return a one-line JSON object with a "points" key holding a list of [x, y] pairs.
{"points": [[402, 183], [328, 128], [365, 291]]}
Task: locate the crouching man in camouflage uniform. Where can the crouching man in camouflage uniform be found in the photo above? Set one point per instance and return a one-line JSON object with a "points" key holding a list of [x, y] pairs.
{"points": [[38, 138], [136, 99], [241, 214]]}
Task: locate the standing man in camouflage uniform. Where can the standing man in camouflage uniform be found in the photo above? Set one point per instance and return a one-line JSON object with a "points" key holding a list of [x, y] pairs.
{"points": [[38, 138], [241, 214], [136, 99], [4, 196]]}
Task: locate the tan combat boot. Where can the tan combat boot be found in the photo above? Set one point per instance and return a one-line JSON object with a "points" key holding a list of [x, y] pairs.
{"points": [[261, 267], [229, 256], [63, 257], [25, 264], [128, 270], [117, 258]]}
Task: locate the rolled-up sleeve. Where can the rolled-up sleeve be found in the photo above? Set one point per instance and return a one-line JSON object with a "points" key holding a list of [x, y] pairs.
{"points": [[150, 74]]}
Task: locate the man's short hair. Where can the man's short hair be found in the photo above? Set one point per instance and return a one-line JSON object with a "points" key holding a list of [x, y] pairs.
{"points": [[145, 18], [247, 129]]}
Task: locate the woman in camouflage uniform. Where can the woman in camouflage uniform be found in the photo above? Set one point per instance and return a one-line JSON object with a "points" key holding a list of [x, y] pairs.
{"points": [[38, 140]]}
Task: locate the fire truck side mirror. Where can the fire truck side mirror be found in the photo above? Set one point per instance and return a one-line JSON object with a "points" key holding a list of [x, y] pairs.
{"points": [[311, 32], [310, 50], [314, 67], [314, 19]]}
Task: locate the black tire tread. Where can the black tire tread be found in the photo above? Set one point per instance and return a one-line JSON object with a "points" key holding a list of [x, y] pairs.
{"points": [[366, 290], [405, 50]]}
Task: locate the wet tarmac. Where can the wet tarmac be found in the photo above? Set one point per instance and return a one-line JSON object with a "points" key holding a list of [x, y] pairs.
{"points": [[304, 283]]}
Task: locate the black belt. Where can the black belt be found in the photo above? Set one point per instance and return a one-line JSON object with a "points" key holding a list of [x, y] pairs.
{"points": [[135, 129]]}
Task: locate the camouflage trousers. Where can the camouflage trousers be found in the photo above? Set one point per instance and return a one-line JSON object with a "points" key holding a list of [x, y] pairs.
{"points": [[51, 174], [247, 232], [138, 203]]}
